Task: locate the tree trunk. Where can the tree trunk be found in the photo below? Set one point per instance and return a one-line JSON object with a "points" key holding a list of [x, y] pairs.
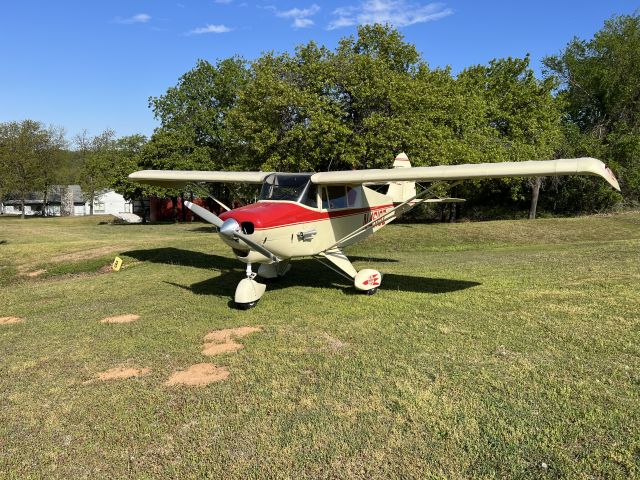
{"points": [[92, 198], [183, 209], [452, 213], [22, 202], [44, 202], [174, 208], [191, 200], [144, 210], [535, 193]]}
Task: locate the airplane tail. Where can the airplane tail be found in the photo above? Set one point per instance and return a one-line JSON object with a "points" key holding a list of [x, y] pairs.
{"points": [[401, 191]]}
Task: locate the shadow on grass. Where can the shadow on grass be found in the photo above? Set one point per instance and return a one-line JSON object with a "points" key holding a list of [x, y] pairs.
{"points": [[305, 272]]}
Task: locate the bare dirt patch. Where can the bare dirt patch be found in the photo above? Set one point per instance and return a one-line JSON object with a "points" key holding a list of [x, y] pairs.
{"points": [[121, 319], [198, 375], [121, 373], [334, 343], [85, 254], [35, 273], [222, 341], [10, 320], [210, 349]]}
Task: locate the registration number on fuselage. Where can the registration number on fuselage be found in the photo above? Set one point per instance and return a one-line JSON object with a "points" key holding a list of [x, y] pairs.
{"points": [[375, 216]]}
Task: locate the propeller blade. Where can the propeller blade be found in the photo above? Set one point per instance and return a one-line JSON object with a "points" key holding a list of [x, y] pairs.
{"points": [[204, 214], [257, 247], [217, 221]]}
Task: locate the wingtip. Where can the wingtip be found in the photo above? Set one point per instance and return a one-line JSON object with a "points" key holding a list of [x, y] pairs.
{"points": [[611, 178]]}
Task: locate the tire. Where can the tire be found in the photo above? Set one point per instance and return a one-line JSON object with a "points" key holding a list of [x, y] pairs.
{"points": [[246, 306]]}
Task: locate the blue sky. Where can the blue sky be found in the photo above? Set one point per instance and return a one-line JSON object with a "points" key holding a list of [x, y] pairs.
{"points": [[94, 64]]}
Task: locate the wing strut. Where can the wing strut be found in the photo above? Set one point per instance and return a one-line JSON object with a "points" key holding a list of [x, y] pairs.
{"points": [[341, 264]]}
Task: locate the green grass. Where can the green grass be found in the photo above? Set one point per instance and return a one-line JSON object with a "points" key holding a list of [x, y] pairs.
{"points": [[491, 349]]}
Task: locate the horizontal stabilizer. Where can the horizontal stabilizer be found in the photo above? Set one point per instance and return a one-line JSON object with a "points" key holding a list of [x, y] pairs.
{"points": [[441, 200]]}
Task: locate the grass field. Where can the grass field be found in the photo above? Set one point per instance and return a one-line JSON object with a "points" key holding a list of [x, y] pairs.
{"points": [[496, 349]]}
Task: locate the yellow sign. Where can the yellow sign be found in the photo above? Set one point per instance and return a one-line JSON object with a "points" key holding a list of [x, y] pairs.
{"points": [[117, 263]]}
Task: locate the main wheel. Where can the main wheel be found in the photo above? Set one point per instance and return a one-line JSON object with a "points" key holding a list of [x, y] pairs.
{"points": [[370, 292], [245, 306]]}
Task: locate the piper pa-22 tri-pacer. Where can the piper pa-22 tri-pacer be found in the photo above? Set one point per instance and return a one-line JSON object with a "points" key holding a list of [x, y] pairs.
{"points": [[318, 214]]}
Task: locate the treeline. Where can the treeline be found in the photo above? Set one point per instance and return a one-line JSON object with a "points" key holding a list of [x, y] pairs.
{"points": [[34, 158], [374, 95]]}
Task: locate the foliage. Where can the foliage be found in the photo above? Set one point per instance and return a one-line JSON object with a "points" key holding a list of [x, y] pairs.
{"points": [[127, 159], [30, 157], [96, 161], [601, 87], [354, 107], [317, 109]]}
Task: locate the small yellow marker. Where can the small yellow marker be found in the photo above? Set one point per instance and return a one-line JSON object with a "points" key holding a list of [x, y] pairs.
{"points": [[117, 263]]}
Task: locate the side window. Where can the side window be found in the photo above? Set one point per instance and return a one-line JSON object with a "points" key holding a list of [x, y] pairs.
{"points": [[337, 197], [323, 197], [352, 197]]}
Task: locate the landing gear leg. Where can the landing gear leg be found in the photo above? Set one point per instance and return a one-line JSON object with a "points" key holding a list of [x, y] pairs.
{"points": [[248, 291]]}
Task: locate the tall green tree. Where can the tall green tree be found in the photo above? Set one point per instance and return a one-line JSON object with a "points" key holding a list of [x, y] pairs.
{"points": [[520, 121], [128, 156], [97, 155], [29, 153], [600, 83], [192, 115]]}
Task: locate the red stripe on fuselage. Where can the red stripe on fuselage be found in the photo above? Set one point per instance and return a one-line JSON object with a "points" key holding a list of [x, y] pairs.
{"points": [[266, 214]]}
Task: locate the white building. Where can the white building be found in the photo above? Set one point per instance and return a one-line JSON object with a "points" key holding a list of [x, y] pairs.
{"points": [[61, 199]]}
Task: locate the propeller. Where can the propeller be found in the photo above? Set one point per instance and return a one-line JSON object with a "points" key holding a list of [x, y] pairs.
{"points": [[204, 214], [230, 229]]}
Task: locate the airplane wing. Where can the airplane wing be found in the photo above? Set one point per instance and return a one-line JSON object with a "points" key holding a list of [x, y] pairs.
{"points": [[181, 178], [539, 168]]}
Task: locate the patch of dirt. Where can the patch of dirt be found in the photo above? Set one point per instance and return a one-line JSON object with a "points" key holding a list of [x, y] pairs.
{"points": [[10, 320], [222, 341], [224, 335], [35, 273], [85, 254], [121, 319], [210, 349], [334, 343], [120, 373], [198, 375]]}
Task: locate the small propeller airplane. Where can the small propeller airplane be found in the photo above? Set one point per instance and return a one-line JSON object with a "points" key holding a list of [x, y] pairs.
{"points": [[318, 214]]}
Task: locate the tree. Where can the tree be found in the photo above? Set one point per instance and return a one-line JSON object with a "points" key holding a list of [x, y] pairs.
{"points": [[127, 160], [600, 83], [28, 153], [521, 121], [53, 167], [97, 157]]}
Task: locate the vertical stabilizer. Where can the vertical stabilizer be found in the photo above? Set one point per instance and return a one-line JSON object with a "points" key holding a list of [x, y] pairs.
{"points": [[401, 161], [401, 191]]}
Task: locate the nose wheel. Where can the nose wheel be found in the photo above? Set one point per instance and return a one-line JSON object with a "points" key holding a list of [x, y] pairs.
{"points": [[248, 291]]}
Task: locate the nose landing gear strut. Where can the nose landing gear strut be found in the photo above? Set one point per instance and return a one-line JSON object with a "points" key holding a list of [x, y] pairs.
{"points": [[248, 291]]}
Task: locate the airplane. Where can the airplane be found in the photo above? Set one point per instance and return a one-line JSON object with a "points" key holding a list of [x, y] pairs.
{"points": [[318, 214]]}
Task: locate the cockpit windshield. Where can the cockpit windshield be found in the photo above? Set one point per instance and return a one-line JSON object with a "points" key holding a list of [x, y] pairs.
{"points": [[285, 186]]}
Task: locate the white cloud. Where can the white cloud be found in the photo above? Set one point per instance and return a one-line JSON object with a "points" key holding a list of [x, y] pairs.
{"points": [[223, 2], [302, 22], [209, 29], [138, 18], [399, 13], [300, 16]]}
